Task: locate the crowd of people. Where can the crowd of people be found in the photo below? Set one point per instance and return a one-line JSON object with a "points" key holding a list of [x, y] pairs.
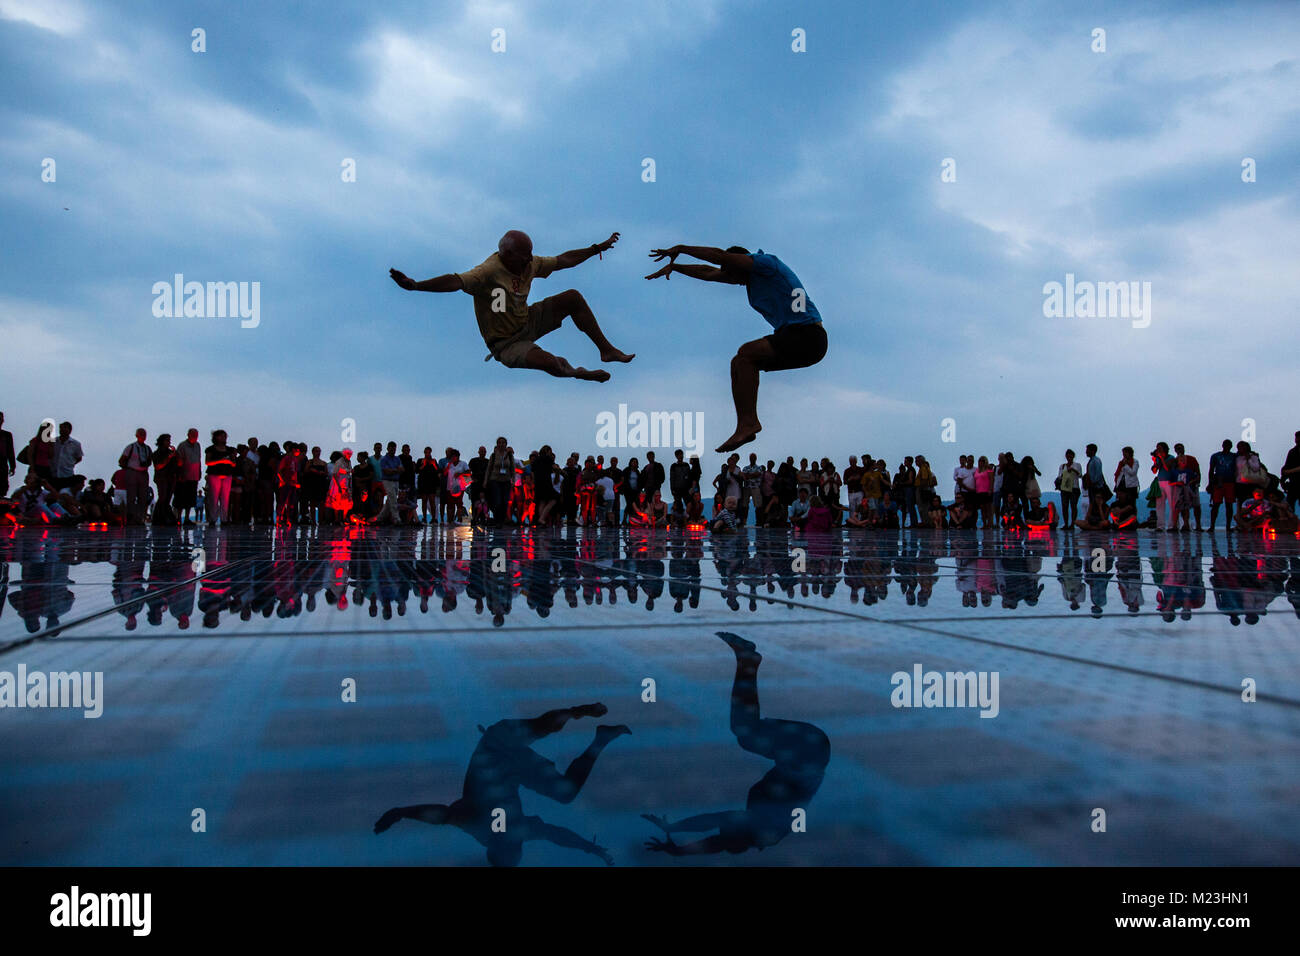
{"points": [[249, 483]]}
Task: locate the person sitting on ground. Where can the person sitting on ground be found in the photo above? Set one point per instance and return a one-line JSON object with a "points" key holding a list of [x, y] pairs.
{"points": [[1253, 512], [818, 520], [799, 509], [725, 521], [887, 511], [1013, 517], [695, 508], [96, 505], [658, 511], [862, 516], [960, 515], [774, 513]]}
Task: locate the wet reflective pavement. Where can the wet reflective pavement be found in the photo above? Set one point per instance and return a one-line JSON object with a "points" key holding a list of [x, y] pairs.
{"points": [[644, 698]]}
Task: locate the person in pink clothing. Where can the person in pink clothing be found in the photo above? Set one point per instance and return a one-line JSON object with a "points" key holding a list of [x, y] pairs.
{"points": [[983, 478], [819, 516]]}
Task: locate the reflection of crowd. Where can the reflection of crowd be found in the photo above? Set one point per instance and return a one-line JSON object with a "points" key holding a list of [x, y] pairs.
{"points": [[490, 570]]}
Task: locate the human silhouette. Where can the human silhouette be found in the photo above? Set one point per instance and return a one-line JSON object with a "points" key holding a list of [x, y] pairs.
{"points": [[489, 808], [799, 750]]}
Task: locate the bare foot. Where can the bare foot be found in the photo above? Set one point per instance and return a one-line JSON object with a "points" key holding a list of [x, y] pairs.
{"points": [[588, 375], [608, 732], [743, 435], [614, 355], [590, 710]]}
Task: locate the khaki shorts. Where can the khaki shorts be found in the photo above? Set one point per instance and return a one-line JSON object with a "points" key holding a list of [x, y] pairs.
{"points": [[543, 317]]}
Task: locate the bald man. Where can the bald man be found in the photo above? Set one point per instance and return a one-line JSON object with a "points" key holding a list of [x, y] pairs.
{"points": [[508, 324], [775, 292]]}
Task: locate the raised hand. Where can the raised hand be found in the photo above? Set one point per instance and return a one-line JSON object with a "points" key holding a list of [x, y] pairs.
{"points": [[671, 253], [666, 272], [658, 821], [604, 246], [402, 279]]}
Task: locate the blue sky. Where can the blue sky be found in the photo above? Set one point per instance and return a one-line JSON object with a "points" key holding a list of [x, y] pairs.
{"points": [[225, 166]]}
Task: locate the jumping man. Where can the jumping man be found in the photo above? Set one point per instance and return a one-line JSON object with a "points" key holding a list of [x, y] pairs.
{"points": [[509, 325], [775, 293]]}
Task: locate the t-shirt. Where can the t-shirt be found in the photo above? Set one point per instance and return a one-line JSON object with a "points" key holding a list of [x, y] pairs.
{"points": [[453, 471], [1223, 467], [491, 274], [606, 486], [771, 289]]}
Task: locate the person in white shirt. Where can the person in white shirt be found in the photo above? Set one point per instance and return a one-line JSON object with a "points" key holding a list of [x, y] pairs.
{"points": [[455, 467], [605, 489], [964, 478], [67, 454]]}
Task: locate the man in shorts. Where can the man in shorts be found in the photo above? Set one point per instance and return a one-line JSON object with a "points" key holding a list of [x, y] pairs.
{"points": [[797, 341], [508, 324]]}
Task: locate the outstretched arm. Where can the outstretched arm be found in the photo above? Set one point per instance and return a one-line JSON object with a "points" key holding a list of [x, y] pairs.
{"points": [[563, 836], [703, 273], [574, 257], [448, 283], [735, 261]]}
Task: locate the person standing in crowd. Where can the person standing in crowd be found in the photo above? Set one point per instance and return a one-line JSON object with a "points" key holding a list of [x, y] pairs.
{"points": [[1163, 467], [453, 487], [8, 463], [39, 453], [1290, 474], [652, 475], [289, 481], [679, 479], [1031, 493], [134, 462], [66, 456], [1094, 478], [338, 500], [1188, 477], [1223, 484], [220, 472], [477, 475], [751, 477], [189, 470], [905, 493], [767, 490], [268, 476], [853, 481], [427, 475], [315, 486], [926, 481], [982, 479], [1069, 480], [500, 479], [164, 479]]}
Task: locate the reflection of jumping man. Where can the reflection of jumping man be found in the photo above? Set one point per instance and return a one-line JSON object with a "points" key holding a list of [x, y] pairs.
{"points": [[503, 762], [800, 751]]}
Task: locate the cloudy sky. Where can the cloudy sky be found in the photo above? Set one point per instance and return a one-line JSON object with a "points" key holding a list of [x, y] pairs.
{"points": [[225, 165]]}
